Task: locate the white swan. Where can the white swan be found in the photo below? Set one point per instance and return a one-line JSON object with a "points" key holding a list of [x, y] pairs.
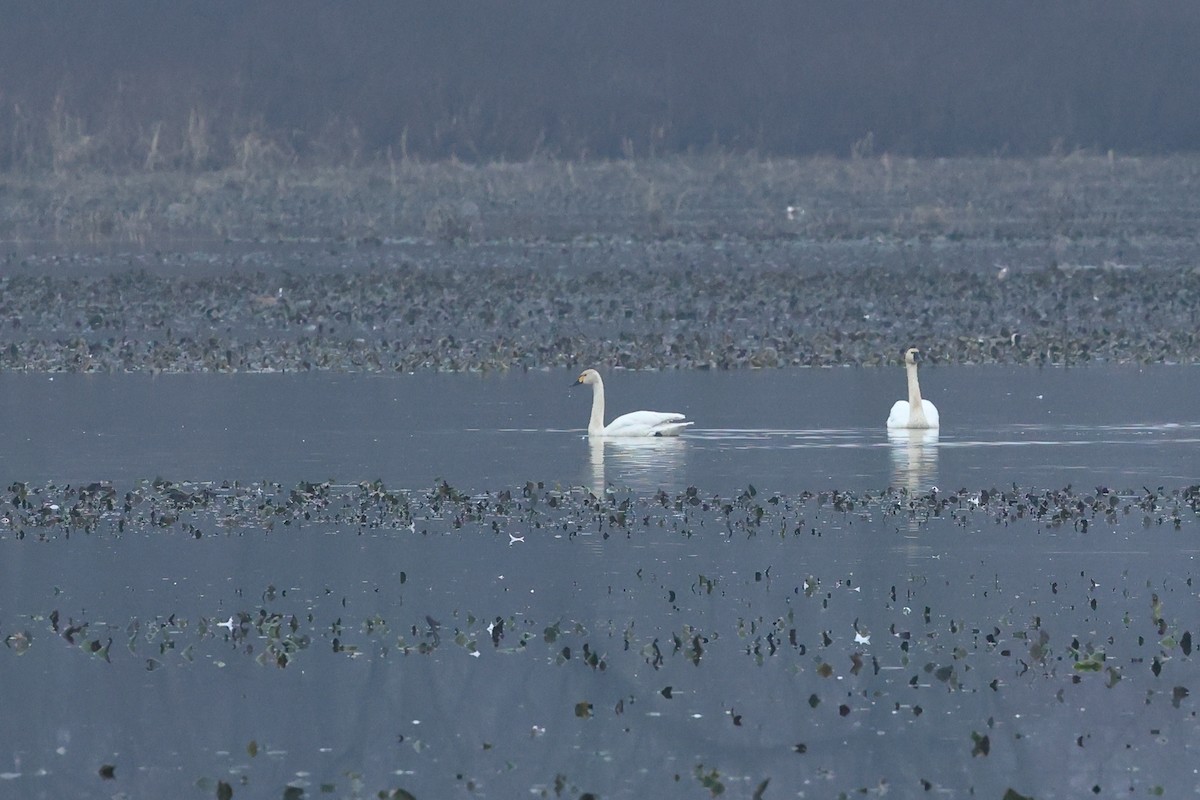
{"points": [[636, 423], [913, 412]]}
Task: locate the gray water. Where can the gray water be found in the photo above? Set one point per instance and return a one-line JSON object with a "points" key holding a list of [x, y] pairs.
{"points": [[777, 430], [181, 703]]}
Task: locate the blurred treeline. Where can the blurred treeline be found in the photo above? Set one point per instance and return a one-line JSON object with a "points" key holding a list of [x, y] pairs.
{"points": [[153, 84]]}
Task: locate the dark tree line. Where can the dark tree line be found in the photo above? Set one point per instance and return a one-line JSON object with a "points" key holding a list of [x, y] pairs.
{"points": [[205, 84]]}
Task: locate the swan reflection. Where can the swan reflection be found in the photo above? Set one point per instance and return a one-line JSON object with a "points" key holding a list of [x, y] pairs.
{"points": [[641, 464], [914, 458]]}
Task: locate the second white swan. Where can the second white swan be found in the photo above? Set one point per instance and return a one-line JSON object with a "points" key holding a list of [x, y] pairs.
{"points": [[913, 412], [636, 423]]}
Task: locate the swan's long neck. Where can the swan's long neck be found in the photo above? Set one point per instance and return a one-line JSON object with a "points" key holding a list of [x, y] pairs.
{"points": [[596, 423], [916, 409]]}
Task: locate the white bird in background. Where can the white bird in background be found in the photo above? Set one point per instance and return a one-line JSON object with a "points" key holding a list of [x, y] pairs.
{"points": [[636, 423], [913, 412]]}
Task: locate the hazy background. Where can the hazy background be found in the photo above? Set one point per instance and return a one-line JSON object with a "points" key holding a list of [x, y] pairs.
{"points": [[158, 85]]}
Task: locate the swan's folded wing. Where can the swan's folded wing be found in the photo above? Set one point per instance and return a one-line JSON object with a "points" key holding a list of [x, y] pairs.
{"points": [[671, 428], [898, 418], [646, 423], [931, 414]]}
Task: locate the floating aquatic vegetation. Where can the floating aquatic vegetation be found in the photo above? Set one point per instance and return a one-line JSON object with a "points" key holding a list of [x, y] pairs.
{"points": [[19, 642], [825, 630], [710, 779], [278, 637], [389, 313]]}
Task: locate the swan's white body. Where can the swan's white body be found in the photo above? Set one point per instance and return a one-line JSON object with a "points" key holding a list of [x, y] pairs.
{"points": [[913, 412], [636, 423]]}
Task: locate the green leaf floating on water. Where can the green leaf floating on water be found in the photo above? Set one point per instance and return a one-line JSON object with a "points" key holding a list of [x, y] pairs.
{"points": [[1092, 662], [710, 780]]}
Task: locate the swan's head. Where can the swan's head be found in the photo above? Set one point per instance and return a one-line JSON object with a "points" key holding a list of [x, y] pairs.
{"points": [[587, 376], [912, 355]]}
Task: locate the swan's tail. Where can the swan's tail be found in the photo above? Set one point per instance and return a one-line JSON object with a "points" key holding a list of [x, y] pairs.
{"points": [[671, 428]]}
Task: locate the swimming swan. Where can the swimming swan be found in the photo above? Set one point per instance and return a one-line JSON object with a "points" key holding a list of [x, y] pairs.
{"points": [[637, 423], [913, 412]]}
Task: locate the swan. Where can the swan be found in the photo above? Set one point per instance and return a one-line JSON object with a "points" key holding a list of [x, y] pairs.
{"points": [[636, 423], [913, 412]]}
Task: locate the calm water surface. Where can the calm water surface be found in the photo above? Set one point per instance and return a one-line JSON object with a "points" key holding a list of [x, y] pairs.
{"points": [[777, 430], [822, 650]]}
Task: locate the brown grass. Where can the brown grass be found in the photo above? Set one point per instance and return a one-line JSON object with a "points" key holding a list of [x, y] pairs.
{"points": [[268, 195]]}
